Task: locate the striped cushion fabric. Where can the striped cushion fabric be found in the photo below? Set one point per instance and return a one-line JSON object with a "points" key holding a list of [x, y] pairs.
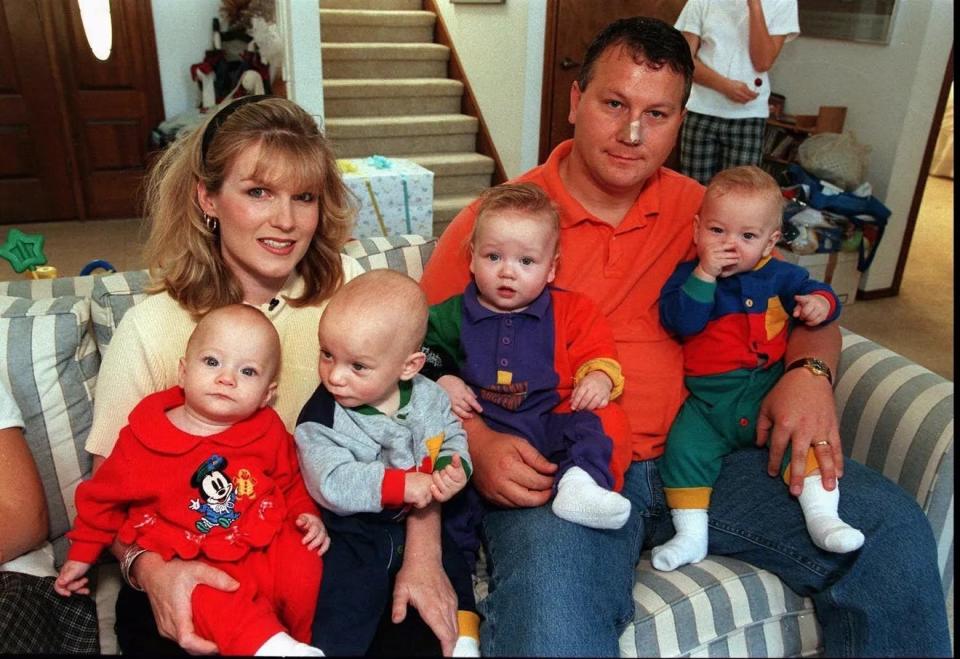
{"points": [[897, 417], [50, 363], [406, 254], [112, 296], [37, 288]]}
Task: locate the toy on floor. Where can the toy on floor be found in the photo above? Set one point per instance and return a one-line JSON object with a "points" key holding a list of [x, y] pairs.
{"points": [[25, 252]]}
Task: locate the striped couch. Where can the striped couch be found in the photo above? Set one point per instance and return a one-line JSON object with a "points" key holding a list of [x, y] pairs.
{"points": [[894, 415]]}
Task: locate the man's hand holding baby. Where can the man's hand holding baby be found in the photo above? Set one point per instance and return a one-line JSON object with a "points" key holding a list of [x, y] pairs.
{"points": [[811, 309], [591, 392], [463, 401]]}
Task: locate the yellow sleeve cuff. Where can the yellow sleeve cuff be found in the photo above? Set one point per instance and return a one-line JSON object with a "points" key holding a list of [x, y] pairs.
{"points": [[610, 367]]}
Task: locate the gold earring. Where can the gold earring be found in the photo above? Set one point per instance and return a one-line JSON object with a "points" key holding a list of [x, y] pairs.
{"points": [[213, 224]]}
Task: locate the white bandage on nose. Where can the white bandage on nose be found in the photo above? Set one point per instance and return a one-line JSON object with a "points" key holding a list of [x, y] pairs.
{"points": [[631, 133]]}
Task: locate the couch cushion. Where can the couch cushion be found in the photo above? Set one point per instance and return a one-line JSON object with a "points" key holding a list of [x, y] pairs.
{"points": [[112, 296], [37, 288], [406, 254], [50, 363], [718, 607]]}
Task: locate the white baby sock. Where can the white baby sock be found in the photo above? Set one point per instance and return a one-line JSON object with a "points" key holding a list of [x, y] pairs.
{"points": [[282, 644], [689, 545], [824, 525], [466, 646], [581, 501]]}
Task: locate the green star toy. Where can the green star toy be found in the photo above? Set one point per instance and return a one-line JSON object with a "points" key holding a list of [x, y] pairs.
{"points": [[23, 250]]}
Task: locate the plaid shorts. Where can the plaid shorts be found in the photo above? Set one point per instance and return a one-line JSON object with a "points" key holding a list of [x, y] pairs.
{"points": [[34, 619], [709, 144]]}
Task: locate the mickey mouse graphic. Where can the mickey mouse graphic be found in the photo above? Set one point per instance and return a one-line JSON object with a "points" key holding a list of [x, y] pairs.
{"points": [[216, 490]]}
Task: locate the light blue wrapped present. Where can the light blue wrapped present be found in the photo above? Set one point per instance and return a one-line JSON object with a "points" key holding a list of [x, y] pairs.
{"points": [[393, 196]]}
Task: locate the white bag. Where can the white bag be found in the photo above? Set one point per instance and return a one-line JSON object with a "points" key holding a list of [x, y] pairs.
{"points": [[834, 157]]}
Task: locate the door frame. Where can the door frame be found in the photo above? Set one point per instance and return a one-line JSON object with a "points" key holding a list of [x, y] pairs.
{"points": [[920, 186]]}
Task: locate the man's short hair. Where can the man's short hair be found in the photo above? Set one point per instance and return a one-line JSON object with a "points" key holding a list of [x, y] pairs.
{"points": [[644, 38]]}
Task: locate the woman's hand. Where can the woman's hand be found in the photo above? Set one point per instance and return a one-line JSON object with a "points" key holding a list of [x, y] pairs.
{"points": [[421, 581], [169, 585]]}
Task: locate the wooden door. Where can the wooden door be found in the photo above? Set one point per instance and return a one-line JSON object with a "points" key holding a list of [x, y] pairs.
{"points": [[571, 26], [113, 105], [35, 161]]}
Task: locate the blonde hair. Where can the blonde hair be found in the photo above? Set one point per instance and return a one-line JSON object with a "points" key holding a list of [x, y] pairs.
{"points": [[525, 198], [181, 252], [252, 319], [748, 179], [388, 299]]}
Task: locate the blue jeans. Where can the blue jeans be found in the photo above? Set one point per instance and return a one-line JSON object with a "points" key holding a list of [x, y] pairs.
{"points": [[885, 599]]}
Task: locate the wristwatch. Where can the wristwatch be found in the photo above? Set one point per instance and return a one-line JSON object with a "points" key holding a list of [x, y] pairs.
{"points": [[814, 365]]}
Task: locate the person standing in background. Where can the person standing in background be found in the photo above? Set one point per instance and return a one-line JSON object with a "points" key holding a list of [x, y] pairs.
{"points": [[734, 43]]}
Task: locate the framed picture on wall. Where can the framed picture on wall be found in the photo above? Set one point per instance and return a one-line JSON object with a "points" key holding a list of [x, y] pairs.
{"points": [[869, 21]]}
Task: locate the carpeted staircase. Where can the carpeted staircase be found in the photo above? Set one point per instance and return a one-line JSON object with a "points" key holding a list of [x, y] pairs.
{"points": [[385, 92]]}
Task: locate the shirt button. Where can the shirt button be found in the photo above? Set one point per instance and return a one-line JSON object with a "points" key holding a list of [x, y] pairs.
{"points": [[504, 362], [505, 340], [744, 421], [508, 322], [748, 303]]}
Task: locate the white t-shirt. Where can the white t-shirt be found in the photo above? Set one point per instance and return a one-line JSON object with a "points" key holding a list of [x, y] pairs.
{"points": [[724, 30]]}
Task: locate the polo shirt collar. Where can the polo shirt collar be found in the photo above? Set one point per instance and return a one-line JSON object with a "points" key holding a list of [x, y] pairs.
{"points": [[645, 208], [476, 311]]}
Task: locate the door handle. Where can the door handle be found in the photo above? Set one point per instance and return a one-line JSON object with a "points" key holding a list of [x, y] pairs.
{"points": [[567, 63]]}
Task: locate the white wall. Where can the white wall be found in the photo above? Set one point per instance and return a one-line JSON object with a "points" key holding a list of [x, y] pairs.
{"points": [[501, 49], [183, 33], [891, 93]]}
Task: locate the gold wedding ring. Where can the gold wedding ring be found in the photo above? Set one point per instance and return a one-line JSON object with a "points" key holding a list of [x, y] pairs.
{"points": [[822, 442]]}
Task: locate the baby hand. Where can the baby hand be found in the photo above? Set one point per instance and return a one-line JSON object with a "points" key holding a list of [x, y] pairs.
{"points": [[314, 533], [714, 257], [592, 391], [811, 309], [416, 489], [449, 480], [463, 401], [71, 579]]}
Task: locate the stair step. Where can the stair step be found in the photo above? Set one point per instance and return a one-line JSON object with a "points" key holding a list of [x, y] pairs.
{"points": [[445, 208], [391, 136], [365, 25], [401, 5], [370, 97], [384, 60], [456, 173]]}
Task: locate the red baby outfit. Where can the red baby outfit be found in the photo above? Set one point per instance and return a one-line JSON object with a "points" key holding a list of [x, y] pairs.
{"points": [[230, 499]]}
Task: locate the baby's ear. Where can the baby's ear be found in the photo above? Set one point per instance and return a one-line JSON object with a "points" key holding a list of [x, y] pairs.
{"points": [[772, 242], [181, 372], [412, 365], [268, 394]]}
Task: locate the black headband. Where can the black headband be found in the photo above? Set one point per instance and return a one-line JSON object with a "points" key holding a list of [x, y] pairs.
{"points": [[214, 124]]}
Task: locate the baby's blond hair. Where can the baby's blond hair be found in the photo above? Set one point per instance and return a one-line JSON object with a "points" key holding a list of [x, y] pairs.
{"points": [[748, 179], [388, 299], [525, 198]]}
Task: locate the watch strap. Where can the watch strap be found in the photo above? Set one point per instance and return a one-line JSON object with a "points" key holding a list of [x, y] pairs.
{"points": [[814, 365]]}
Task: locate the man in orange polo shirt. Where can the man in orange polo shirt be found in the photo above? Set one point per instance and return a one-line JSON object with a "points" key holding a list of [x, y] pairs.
{"points": [[626, 222]]}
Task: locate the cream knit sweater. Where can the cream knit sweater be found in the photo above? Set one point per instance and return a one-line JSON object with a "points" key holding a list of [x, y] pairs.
{"points": [[146, 348]]}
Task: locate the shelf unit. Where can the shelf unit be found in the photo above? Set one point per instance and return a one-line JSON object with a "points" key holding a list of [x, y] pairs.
{"points": [[783, 138]]}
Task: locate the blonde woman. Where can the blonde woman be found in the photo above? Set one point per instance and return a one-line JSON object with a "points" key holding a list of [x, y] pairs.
{"points": [[248, 208]]}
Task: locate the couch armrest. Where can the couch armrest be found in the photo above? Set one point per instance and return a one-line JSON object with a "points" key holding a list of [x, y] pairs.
{"points": [[897, 417]]}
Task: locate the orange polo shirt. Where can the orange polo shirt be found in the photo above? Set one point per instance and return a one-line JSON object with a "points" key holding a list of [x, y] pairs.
{"points": [[622, 269]]}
